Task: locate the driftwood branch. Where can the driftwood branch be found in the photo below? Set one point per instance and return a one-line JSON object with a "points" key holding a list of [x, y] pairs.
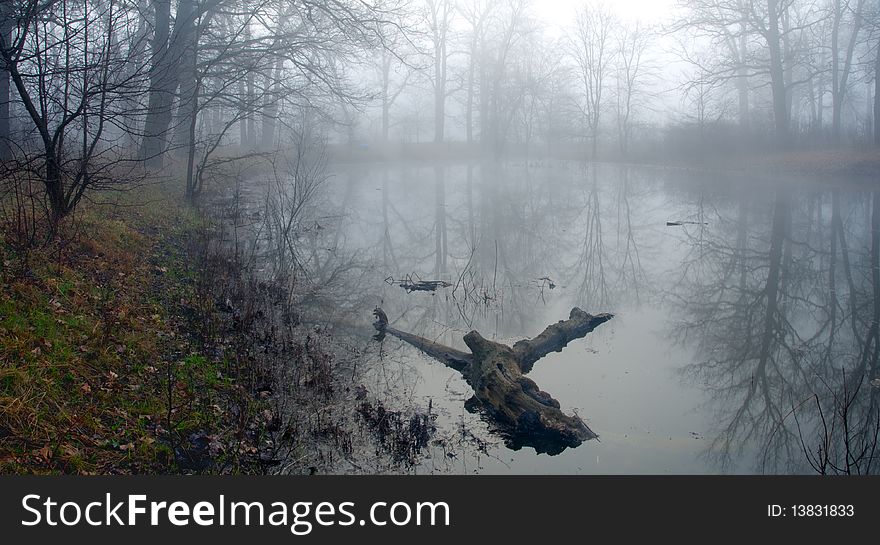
{"points": [[556, 337], [526, 415]]}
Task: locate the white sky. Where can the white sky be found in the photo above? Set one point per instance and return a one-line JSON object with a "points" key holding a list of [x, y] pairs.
{"points": [[560, 13]]}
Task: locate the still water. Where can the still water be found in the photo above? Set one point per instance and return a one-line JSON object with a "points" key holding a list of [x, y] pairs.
{"points": [[745, 332]]}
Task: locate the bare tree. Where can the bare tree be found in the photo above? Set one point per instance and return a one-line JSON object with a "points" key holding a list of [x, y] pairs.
{"points": [[499, 103], [725, 30], [303, 45], [70, 75], [841, 68], [632, 43], [591, 48], [768, 43], [476, 13], [438, 15], [395, 70], [169, 47]]}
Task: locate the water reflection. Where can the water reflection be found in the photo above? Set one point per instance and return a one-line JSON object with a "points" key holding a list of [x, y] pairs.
{"points": [[779, 299], [746, 338]]}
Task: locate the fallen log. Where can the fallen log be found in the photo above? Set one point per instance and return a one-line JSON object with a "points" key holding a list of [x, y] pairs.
{"points": [[515, 406]]}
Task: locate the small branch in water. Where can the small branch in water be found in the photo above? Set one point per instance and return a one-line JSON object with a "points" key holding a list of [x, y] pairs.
{"points": [[411, 284], [546, 281], [678, 223]]}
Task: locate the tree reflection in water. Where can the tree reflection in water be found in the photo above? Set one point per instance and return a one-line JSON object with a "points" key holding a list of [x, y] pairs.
{"points": [[777, 293], [782, 303]]}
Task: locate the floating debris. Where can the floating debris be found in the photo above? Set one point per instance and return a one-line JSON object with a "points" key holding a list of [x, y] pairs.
{"points": [[411, 283], [678, 223], [546, 281]]}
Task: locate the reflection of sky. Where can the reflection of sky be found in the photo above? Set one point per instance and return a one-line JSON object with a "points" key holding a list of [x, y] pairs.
{"points": [[622, 378]]}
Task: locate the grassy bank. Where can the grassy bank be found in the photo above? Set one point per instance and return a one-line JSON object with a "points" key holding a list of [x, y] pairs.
{"points": [[108, 363]]}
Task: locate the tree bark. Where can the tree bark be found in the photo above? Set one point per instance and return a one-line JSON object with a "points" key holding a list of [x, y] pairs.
{"points": [[5, 95], [523, 413], [439, 90], [777, 75], [165, 75], [877, 96], [271, 106], [742, 84], [840, 75], [187, 104], [251, 105], [469, 105], [386, 102], [484, 101]]}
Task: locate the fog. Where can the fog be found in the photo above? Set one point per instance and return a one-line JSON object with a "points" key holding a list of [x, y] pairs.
{"points": [[704, 170]]}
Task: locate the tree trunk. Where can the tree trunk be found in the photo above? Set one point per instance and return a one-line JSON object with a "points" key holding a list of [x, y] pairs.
{"points": [[484, 101], [495, 115], [513, 403], [242, 121], [877, 96], [187, 105], [270, 106], [188, 116], [165, 75], [386, 101], [439, 91], [251, 106], [742, 84], [836, 98], [594, 140], [841, 75], [440, 251], [5, 95], [777, 76], [54, 184], [272, 100], [131, 128], [469, 106]]}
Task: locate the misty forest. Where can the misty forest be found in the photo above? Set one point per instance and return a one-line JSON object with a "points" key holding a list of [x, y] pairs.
{"points": [[439, 236]]}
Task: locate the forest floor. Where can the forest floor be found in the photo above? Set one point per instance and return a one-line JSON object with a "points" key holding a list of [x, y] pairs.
{"points": [[125, 347]]}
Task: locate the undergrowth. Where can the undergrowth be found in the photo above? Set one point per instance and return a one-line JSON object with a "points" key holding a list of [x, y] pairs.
{"points": [[105, 364]]}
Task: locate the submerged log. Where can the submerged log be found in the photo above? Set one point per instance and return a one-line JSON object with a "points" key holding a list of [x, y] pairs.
{"points": [[523, 413]]}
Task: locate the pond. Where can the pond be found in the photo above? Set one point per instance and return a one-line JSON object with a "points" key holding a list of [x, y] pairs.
{"points": [[744, 337]]}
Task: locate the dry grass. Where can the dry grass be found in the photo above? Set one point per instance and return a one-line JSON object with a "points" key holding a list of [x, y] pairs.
{"points": [[87, 337]]}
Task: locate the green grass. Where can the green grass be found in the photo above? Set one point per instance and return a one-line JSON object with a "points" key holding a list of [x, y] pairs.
{"points": [[88, 329]]}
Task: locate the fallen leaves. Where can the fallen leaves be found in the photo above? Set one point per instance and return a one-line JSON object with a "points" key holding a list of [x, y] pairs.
{"points": [[44, 454]]}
